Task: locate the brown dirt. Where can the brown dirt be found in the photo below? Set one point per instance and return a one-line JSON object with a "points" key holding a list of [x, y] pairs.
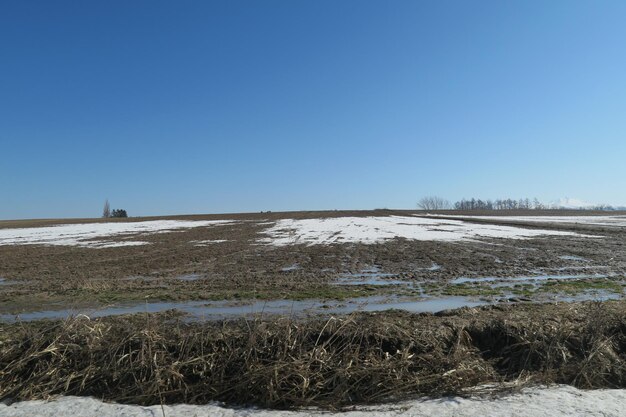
{"points": [[53, 276]]}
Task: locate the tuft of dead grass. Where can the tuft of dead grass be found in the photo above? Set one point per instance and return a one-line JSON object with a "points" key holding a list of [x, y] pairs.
{"points": [[329, 363]]}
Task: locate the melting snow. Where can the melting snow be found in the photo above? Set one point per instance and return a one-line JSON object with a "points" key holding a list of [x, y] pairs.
{"points": [[207, 242], [619, 221], [94, 235], [371, 230], [556, 401]]}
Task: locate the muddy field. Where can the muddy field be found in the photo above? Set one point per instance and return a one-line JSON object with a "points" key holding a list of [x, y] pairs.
{"points": [[323, 309], [235, 262]]}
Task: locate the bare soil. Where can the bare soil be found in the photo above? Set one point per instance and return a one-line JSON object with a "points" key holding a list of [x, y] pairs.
{"points": [[47, 277]]}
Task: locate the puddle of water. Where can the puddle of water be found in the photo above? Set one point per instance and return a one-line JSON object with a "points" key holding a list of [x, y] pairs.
{"points": [[3, 281], [374, 276], [369, 276], [189, 277], [201, 310], [573, 258], [600, 295], [432, 305], [371, 280], [138, 277], [578, 268], [370, 270], [292, 267], [433, 267], [587, 295], [524, 279], [106, 311]]}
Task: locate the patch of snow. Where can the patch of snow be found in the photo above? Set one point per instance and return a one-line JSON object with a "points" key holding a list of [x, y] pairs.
{"points": [[369, 230], [555, 401], [432, 268], [292, 267], [112, 244], [573, 258], [207, 242], [618, 221], [94, 235]]}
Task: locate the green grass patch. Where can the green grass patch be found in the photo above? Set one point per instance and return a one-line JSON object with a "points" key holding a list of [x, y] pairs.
{"points": [[578, 286], [470, 290]]}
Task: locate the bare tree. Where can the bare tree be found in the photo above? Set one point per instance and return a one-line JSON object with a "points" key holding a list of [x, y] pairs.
{"points": [[433, 203], [106, 212]]}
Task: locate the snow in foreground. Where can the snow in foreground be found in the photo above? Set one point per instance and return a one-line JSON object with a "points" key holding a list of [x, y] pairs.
{"points": [[553, 402], [377, 229], [95, 235]]}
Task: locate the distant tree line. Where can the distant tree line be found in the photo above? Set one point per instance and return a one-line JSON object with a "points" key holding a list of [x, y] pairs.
{"points": [[108, 213], [438, 203], [119, 213], [500, 204]]}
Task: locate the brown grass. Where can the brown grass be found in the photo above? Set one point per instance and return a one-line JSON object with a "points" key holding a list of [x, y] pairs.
{"points": [[330, 363]]}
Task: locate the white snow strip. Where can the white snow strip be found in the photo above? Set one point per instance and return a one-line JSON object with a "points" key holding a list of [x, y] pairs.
{"points": [[95, 235], [618, 221], [207, 242], [371, 230], [113, 244], [557, 401]]}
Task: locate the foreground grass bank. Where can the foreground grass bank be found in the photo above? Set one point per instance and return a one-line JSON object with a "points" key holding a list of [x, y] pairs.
{"points": [[330, 363]]}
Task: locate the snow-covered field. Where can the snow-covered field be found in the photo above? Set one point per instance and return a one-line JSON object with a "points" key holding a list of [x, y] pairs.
{"points": [[283, 232], [95, 235], [377, 229], [532, 402], [617, 221]]}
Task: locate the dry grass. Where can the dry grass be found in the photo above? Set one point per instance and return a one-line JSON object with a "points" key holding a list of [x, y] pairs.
{"points": [[330, 363]]}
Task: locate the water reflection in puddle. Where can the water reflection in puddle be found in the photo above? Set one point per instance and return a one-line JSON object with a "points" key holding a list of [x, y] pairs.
{"points": [[292, 267], [573, 258], [369, 276], [579, 268], [202, 310], [189, 277], [374, 276], [525, 279], [597, 295]]}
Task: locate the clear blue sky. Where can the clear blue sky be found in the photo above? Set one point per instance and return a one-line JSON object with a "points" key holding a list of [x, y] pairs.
{"points": [[226, 106]]}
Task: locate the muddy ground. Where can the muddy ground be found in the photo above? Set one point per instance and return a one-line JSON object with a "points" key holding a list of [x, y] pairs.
{"points": [[173, 267]]}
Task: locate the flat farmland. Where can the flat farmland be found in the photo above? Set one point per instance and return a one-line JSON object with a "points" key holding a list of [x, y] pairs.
{"points": [[308, 262], [330, 310]]}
